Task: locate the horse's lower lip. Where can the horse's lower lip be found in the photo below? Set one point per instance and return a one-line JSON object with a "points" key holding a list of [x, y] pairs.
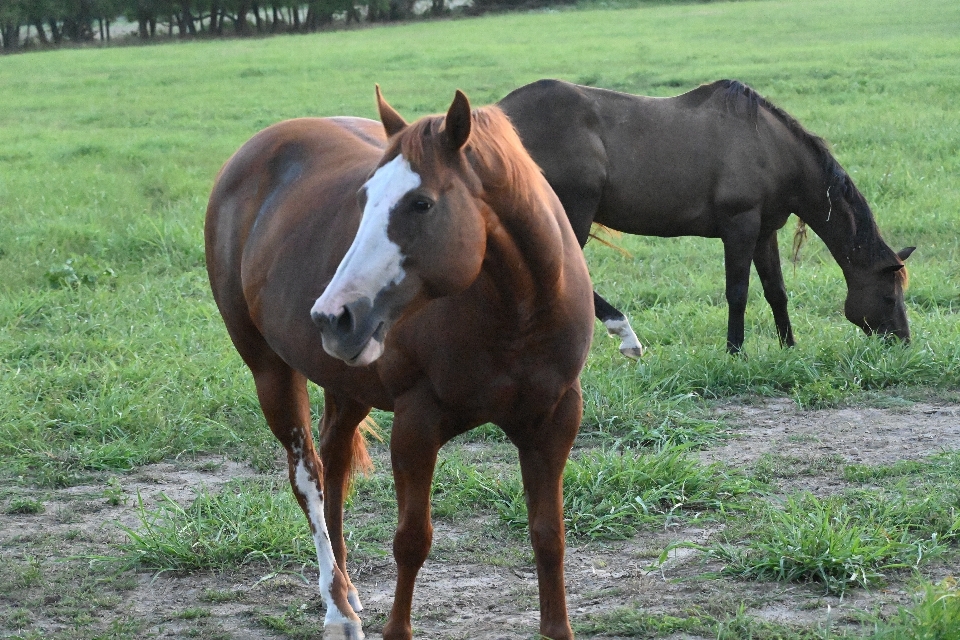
{"points": [[359, 353], [376, 335]]}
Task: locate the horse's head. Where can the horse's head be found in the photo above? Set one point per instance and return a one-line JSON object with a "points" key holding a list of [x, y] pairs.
{"points": [[421, 235], [875, 296]]}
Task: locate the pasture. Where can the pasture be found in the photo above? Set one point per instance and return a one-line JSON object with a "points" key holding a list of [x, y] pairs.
{"points": [[802, 493]]}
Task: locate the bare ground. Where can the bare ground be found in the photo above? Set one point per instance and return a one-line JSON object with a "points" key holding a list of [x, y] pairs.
{"points": [[479, 581]]}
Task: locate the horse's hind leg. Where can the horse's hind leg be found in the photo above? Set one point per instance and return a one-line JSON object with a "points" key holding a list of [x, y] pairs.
{"points": [[286, 406], [766, 258], [618, 326], [341, 448], [543, 455]]}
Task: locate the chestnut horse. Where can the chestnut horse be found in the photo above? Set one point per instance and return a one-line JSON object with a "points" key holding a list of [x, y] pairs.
{"points": [[426, 269], [719, 162]]}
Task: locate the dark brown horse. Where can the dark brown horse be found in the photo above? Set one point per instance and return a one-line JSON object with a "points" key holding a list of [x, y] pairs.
{"points": [[430, 271], [719, 162]]}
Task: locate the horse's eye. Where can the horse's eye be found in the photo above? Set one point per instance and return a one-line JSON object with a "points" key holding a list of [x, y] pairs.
{"points": [[421, 206]]}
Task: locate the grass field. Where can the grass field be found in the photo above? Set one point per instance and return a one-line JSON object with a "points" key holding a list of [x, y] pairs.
{"points": [[113, 356]]}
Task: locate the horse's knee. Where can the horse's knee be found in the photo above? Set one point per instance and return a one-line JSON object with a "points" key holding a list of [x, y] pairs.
{"points": [[548, 543], [411, 545]]}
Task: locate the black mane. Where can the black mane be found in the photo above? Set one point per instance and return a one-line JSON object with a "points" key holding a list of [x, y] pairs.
{"points": [[740, 96]]}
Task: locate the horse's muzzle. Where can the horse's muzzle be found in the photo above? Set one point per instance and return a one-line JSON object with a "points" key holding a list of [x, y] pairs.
{"points": [[354, 334]]}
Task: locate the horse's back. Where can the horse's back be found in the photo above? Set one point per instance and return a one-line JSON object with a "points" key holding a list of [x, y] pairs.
{"points": [[668, 165]]}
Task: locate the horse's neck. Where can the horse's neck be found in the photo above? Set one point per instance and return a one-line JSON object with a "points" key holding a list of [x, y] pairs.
{"points": [[824, 211], [525, 254]]}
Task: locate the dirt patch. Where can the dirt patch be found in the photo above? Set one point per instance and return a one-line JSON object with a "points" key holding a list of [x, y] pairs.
{"points": [[817, 444], [479, 581]]}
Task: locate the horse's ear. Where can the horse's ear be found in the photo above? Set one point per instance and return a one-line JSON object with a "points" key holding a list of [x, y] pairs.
{"points": [[393, 122], [903, 254], [458, 121]]}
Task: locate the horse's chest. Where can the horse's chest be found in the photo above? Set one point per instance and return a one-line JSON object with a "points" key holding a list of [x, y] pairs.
{"points": [[495, 392]]}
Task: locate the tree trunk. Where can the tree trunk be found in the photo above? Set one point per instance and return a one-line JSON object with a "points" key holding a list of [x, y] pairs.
{"points": [[188, 19], [55, 32], [241, 23], [108, 30], [41, 33], [10, 33]]}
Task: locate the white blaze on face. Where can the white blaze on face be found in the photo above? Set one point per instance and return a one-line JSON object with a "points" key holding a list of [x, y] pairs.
{"points": [[373, 261]]}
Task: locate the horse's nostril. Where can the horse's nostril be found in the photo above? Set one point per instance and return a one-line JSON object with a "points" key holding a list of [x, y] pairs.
{"points": [[345, 321], [322, 320]]}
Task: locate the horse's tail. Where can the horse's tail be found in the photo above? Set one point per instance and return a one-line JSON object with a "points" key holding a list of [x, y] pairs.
{"points": [[360, 461], [597, 228], [799, 239]]}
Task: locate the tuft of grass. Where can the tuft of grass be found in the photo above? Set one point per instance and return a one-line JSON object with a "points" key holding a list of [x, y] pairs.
{"points": [[935, 615], [944, 466], [611, 495], [838, 542], [22, 505], [633, 622], [246, 521], [296, 622]]}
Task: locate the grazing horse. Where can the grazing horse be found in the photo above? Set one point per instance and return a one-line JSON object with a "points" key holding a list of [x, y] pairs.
{"points": [[426, 269], [719, 162]]}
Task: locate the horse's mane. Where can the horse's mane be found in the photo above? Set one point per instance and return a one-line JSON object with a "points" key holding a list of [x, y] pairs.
{"points": [[740, 97], [495, 150]]}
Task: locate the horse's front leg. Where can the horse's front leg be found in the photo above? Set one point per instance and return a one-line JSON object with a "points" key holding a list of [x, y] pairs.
{"points": [[283, 397], [342, 450], [543, 455], [766, 258], [739, 243], [413, 451]]}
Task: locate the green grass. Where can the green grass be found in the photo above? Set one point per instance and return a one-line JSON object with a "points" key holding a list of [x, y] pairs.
{"points": [[935, 615], [113, 356], [841, 542], [606, 497], [737, 625], [246, 521], [111, 351]]}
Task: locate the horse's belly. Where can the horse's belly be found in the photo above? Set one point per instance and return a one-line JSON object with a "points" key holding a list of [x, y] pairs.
{"points": [[662, 221]]}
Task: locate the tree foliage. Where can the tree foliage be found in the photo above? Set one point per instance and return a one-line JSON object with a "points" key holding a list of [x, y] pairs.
{"points": [[45, 23]]}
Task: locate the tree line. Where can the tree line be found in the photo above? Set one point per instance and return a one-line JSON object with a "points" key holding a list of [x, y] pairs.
{"points": [[45, 23]]}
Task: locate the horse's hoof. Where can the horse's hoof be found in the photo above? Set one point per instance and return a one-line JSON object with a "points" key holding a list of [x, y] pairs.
{"points": [[632, 352], [354, 599], [343, 631]]}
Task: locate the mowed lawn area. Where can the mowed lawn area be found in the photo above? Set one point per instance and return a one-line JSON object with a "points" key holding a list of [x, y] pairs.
{"points": [[113, 357]]}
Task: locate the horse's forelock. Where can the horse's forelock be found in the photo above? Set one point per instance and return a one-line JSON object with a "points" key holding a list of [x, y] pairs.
{"points": [[904, 277], [498, 154]]}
